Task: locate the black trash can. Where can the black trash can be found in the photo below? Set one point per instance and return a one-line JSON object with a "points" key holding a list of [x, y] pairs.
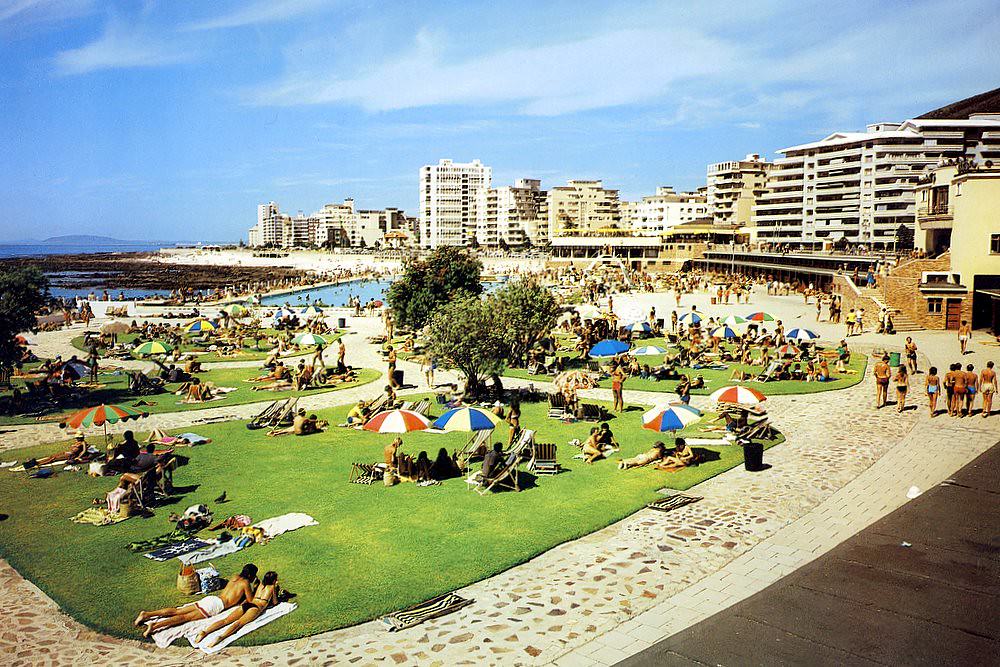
{"points": [[341, 322], [753, 456], [398, 377]]}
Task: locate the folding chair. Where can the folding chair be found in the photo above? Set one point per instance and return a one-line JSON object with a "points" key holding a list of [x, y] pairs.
{"points": [[475, 448], [557, 406], [543, 459]]}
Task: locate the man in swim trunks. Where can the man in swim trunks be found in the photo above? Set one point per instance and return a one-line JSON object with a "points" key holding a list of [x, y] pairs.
{"points": [[964, 336], [882, 374], [238, 590], [988, 387]]}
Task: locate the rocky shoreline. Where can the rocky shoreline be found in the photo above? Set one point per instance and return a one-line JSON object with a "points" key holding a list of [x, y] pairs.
{"points": [[140, 271]]}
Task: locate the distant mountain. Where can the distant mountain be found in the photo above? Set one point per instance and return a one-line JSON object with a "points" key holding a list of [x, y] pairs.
{"points": [[82, 239]]}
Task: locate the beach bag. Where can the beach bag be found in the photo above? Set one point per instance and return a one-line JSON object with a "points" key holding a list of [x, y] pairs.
{"points": [[188, 582]]}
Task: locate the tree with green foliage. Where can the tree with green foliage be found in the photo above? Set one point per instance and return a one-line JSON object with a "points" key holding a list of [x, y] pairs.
{"points": [[526, 311], [22, 291], [449, 273], [465, 335]]}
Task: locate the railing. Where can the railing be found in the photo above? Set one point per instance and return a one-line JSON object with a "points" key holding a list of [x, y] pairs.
{"points": [[928, 211]]}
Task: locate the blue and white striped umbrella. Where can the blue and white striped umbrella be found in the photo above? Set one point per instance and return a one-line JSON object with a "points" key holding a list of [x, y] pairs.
{"points": [[312, 311], [801, 334], [608, 348], [648, 350], [282, 313], [639, 326], [733, 320], [466, 419], [673, 417], [724, 332], [690, 317]]}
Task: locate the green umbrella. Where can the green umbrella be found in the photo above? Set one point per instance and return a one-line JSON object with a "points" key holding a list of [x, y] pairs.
{"points": [[306, 339], [152, 347]]}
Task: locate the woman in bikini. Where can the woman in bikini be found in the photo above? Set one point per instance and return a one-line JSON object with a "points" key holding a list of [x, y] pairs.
{"points": [[237, 590], [265, 596], [617, 380], [933, 385], [959, 390], [882, 375], [902, 382], [988, 387]]}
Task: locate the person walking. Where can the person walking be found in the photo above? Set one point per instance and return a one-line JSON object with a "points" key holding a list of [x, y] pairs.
{"points": [[902, 382], [932, 383], [988, 387], [910, 348], [971, 388], [964, 336]]}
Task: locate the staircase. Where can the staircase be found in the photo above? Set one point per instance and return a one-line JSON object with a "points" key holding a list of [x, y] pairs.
{"points": [[901, 322]]}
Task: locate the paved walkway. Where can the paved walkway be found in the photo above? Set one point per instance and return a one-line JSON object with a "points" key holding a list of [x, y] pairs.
{"points": [[919, 587], [613, 593]]}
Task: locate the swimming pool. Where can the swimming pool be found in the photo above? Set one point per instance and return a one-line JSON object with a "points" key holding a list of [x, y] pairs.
{"points": [[338, 295]]}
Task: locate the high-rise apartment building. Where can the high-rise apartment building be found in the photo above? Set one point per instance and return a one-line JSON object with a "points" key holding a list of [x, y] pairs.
{"points": [[733, 189], [857, 187], [449, 193], [511, 215], [269, 230], [657, 213], [582, 208], [333, 226]]}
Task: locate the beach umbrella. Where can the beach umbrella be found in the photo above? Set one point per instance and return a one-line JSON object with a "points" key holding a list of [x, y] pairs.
{"points": [[312, 311], [760, 317], [152, 347], [724, 332], [115, 327], [102, 415], [199, 326], [236, 310], [466, 419], [306, 339], [282, 313], [648, 350], [672, 417], [77, 368], [788, 350], [733, 320], [737, 394], [690, 317], [608, 348], [801, 334], [639, 326], [574, 380], [397, 421], [377, 303]]}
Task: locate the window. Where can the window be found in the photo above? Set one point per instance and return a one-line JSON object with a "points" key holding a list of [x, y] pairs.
{"points": [[995, 244], [933, 305]]}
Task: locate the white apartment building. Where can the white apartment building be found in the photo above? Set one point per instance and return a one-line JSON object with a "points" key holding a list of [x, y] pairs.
{"points": [[269, 230], [449, 193], [513, 216], [334, 225], [657, 213], [733, 189], [857, 187], [582, 208]]}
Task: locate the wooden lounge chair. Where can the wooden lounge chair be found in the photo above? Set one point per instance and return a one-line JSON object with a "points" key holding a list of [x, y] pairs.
{"points": [[475, 448], [543, 459], [768, 374], [593, 413], [557, 406], [504, 477]]}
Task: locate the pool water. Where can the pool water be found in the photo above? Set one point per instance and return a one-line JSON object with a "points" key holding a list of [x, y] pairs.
{"points": [[338, 295]]}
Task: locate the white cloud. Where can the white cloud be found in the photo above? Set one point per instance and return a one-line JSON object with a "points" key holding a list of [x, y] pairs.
{"points": [[265, 11], [42, 10], [122, 46]]}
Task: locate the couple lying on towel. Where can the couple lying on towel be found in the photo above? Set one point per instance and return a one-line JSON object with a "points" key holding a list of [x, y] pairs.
{"points": [[247, 598], [681, 457]]}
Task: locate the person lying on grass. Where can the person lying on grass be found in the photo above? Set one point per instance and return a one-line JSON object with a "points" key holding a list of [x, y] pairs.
{"points": [[76, 452], [655, 453], [302, 425], [682, 457], [238, 590], [265, 596], [280, 373]]}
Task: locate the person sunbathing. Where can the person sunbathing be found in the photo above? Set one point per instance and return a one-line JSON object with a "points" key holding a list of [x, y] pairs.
{"points": [[239, 589], [358, 414], [76, 452], [657, 452], [265, 596], [682, 457]]}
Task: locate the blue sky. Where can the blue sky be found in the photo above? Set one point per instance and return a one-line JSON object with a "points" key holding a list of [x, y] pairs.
{"points": [[172, 120]]}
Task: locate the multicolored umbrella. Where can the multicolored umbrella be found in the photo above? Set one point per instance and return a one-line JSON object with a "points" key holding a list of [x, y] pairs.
{"points": [[282, 313], [639, 326], [690, 317], [397, 421], [760, 317], [115, 327], [199, 326], [608, 348], [673, 417], [77, 369], [236, 310], [306, 339], [733, 320], [152, 347], [466, 419], [648, 350], [737, 394], [100, 415], [801, 334], [574, 380], [788, 350], [724, 332], [312, 311]]}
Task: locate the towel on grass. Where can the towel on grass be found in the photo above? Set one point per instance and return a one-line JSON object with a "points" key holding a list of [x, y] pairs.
{"points": [[193, 438], [209, 552], [190, 630], [285, 523], [98, 516], [173, 537], [175, 550]]}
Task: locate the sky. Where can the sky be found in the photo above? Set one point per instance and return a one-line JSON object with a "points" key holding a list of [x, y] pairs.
{"points": [[173, 120]]}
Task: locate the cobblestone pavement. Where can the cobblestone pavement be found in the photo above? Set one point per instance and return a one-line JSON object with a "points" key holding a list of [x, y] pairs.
{"points": [[600, 598]]}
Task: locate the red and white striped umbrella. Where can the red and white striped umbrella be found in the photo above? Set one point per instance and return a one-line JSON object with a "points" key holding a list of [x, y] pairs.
{"points": [[788, 350], [736, 394], [397, 421]]}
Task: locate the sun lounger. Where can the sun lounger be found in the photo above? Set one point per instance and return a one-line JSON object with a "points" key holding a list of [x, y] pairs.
{"points": [[593, 412], [672, 502], [422, 406], [365, 473], [557, 406], [768, 374], [263, 419], [505, 476], [543, 459], [285, 415]]}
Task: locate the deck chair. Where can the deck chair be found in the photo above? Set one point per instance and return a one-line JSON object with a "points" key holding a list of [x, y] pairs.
{"points": [[593, 413], [377, 406], [264, 418], [543, 459], [475, 448], [504, 477], [524, 443], [365, 473], [768, 373], [594, 367], [422, 406], [406, 405], [557, 406], [285, 415]]}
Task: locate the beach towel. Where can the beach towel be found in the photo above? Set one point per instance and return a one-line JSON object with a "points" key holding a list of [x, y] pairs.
{"points": [[439, 606], [190, 630], [193, 438], [271, 614], [210, 552], [285, 523], [98, 516], [175, 550], [167, 539], [672, 502]]}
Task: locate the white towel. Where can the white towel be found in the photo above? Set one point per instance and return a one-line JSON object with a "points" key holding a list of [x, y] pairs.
{"points": [[285, 523], [168, 636], [207, 553], [269, 615]]}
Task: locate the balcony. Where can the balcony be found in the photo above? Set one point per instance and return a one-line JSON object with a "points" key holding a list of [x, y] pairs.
{"points": [[935, 217]]}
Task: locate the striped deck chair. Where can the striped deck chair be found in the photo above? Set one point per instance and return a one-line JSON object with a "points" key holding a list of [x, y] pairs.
{"points": [[417, 614], [505, 477], [377, 406], [285, 414], [422, 407], [365, 473], [475, 448], [557, 406], [263, 419], [543, 459], [593, 413], [406, 405], [672, 502]]}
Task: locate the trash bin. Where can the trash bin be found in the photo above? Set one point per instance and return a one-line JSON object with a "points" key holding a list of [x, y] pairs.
{"points": [[398, 377], [753, 456], [894, 359], [713, 300], [341, 322]]}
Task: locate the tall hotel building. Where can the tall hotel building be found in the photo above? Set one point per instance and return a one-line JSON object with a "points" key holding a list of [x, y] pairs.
{"points": [[449, 192], [858, 187], [733, 189], [513, 216]]}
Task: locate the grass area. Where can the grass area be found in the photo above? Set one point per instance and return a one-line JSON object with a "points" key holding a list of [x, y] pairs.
{"points": [[714, 379], [248, 352], [376, 549], [116, 390]]}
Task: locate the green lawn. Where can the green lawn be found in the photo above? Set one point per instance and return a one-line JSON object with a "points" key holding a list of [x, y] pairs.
{"points": [[376, 549], [249, 351], [714, 379], [116, 391]]}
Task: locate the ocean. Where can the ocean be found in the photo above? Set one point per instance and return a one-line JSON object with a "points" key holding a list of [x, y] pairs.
{"points": [[38, 249]]}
